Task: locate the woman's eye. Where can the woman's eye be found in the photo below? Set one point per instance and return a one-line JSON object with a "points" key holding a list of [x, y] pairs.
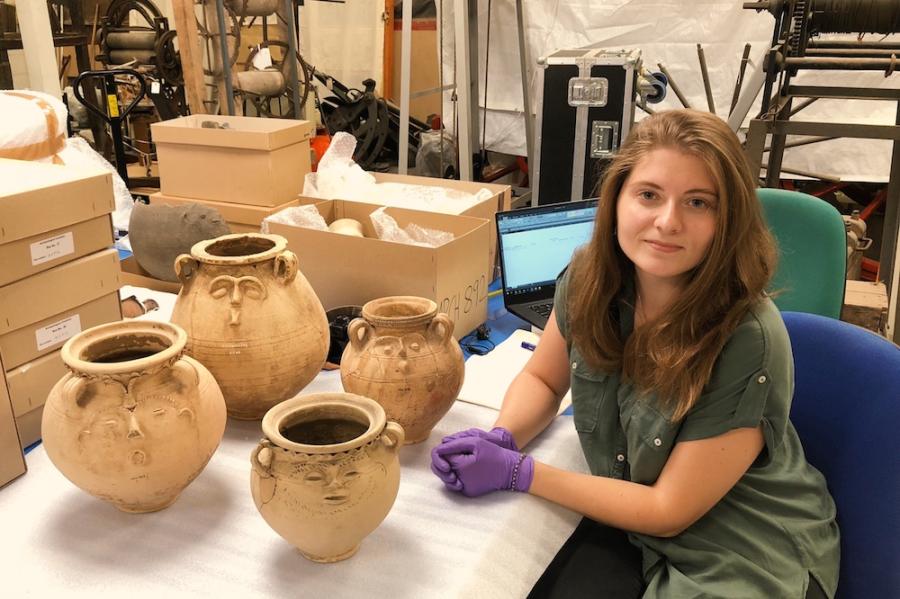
{"points": [[699, 203], [314, 477], [647, 195]]}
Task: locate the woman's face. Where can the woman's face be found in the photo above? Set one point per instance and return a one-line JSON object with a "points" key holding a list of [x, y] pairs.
{"points": [[666, 215]]}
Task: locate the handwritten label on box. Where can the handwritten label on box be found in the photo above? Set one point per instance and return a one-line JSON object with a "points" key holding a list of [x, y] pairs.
{"points": [[46, 250], [55, 333]]}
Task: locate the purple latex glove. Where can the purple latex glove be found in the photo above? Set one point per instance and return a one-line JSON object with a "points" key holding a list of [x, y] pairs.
{"points": [[477, 467], [498, 435]]}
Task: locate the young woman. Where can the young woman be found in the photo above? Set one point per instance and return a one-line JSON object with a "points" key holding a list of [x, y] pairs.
{"points": [[681, 376]]}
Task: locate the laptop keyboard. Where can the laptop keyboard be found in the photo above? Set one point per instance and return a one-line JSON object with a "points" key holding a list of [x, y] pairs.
{"points": [[543, 309]]}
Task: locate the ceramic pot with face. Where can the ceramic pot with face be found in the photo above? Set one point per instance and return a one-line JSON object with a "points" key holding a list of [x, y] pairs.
{"points": [[252, 319], [135, 420], [327, 472], [403, 355]]}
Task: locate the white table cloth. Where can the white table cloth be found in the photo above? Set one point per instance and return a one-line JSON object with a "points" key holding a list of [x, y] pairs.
{"points": [[57, 540]]}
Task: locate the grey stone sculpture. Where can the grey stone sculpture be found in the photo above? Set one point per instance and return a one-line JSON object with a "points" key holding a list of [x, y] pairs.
{"points": [[159, 233]]}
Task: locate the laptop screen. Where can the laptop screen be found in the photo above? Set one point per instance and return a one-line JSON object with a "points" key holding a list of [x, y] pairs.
{"points": [[537, 243]]}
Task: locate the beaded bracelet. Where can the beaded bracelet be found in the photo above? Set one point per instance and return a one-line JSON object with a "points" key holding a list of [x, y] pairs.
{"points": [[515, 472]]}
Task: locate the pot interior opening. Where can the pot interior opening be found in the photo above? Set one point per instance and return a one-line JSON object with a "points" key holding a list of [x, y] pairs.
{"points": [[242, 246], [323, 430], [124, 348], [400, 309]]}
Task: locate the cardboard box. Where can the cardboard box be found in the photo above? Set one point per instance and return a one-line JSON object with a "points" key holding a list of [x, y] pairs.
{"points": [[37, 197], [56, 290], [501, 198], [242, 218], [133, 274], [29, 427], [254, 161], [30, 383], [345, 270], [12, 462], [866, 305], [40, 252], [42, 337]]}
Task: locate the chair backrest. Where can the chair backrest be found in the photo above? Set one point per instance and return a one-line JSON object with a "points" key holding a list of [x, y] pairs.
{"points": [[846, 410], [812, 252]]}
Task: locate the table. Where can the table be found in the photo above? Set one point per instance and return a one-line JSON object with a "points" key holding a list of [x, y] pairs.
{"points": [[57, 540]]}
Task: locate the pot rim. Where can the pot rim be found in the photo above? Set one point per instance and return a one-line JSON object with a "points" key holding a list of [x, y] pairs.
{"points": [[271, 422], [73, 348], [427, 311], [199, 251]]}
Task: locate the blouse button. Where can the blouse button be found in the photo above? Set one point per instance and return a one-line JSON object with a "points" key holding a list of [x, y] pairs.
{"points": [[657, 441], [761, 379], [574, 365], [620, 458]]}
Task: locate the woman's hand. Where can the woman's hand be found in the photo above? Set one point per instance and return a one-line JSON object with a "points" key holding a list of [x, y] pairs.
{"points": [[475, 466], [498, 435]]}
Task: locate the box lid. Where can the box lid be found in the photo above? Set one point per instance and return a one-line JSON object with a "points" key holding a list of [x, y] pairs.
{"points": [[245, 132], [37, 197]]}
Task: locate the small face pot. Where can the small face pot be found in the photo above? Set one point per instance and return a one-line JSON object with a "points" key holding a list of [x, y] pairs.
{"points": [[327, 472]]}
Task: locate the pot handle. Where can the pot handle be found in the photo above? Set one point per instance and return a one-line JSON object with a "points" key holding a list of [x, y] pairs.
{"points": [[185, 267], [393, 435], [73, 389], [440, 320], [353, 333], [286, 266], [261, 457]]}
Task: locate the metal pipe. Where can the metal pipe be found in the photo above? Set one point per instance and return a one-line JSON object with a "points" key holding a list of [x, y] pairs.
{"points": [[811, 175], [853, 52], [802, 142], [674, 86], [802, 105], [291, 18], [840, 44], [705, 74], [526, 83], [223, 45], [745, 58], [843, 64], [405, 70]]}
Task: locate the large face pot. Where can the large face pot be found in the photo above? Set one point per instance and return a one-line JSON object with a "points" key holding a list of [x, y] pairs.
{"points": [[134, 421]]}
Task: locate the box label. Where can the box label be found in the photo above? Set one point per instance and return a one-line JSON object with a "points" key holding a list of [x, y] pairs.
{"points": [[57, 332], [52, 248]]}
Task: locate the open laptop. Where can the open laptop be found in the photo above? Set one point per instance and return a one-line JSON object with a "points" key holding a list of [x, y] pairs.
{"points": [[535, 244]]}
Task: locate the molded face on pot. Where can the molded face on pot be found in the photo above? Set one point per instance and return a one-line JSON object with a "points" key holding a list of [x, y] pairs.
{"points": [[402, 354], [326, 487], [135, 421], [252, 319]]}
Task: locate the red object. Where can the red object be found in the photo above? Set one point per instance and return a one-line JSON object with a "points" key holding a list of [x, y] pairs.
{"points": [[869, 270], [319, 145]]}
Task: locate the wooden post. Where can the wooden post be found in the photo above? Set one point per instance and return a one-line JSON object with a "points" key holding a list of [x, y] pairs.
{"points": [[191, 54]]}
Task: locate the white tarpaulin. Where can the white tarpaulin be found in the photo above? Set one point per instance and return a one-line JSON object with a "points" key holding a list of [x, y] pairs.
{"points": [[665, 31]]}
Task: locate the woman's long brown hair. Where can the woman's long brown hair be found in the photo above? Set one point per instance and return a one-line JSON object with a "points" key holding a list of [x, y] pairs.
{"points": [[673, 355]]}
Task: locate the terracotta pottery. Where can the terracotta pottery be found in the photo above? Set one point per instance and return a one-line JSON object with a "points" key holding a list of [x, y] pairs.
{"points": [[403, 355], [347, 226], [135, 420], [327, 472], [252, 319]]}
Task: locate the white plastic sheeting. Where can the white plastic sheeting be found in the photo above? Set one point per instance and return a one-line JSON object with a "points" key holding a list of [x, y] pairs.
{"points": [[666, 31], [25, 129], [344, 40]]}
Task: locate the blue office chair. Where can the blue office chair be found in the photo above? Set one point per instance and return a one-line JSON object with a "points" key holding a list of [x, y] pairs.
{"points": [[847, 412], [812, 252]]}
